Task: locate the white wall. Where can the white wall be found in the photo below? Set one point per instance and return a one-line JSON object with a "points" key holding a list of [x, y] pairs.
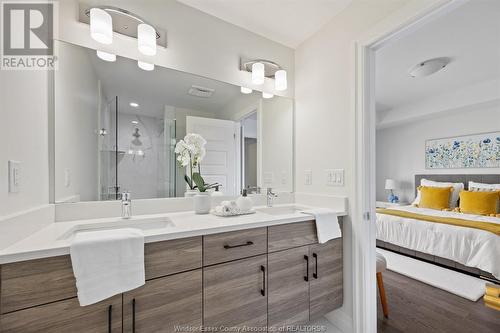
{"points": [[325, 125], [24, 138], [401, 149], [197, 42], [76, 125]]}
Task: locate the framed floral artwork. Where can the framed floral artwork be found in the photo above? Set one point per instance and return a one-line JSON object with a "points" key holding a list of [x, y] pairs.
{"points": [[468, 151]]}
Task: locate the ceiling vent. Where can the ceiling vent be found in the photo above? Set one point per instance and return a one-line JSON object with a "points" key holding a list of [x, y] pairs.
{"points": [[201, 91]]}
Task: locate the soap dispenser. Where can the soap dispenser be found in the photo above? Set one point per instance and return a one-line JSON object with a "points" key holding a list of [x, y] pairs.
{"points": [[244, 203]]}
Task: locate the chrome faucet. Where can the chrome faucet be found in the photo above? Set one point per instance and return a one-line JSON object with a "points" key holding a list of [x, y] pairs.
{"points": [[270, 197], [126, 205]]}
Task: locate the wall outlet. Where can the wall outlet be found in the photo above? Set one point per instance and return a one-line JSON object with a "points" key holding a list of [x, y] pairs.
{"points": [[14, 176], [334, 177], [283, 178], [308, 175]]}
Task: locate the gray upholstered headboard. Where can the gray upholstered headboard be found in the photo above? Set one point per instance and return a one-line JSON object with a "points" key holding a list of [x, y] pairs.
{"points": [[487, 178]]}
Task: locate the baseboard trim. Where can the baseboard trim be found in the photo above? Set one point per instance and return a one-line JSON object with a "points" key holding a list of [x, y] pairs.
{"points": [[341, 320]]}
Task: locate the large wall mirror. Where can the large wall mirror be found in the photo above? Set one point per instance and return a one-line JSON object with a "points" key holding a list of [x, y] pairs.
{"points": [[116, 128]]}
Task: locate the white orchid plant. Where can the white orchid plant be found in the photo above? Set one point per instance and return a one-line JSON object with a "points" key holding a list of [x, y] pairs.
{"points": [[190, 152]]}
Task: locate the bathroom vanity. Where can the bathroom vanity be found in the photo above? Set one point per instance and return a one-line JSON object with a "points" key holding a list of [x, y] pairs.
{"points": [[270, 274]]}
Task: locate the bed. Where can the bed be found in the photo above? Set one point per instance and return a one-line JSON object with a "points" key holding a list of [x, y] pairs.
{"points": [[471, 250]]}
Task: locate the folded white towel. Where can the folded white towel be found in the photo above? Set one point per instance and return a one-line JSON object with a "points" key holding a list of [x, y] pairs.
{"points": [[327, 223], [107, 263]]}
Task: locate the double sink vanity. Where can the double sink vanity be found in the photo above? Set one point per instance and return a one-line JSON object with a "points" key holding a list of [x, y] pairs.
{"points": [[202, 271]]}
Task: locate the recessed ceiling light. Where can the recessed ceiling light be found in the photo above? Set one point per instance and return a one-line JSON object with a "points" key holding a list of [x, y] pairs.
{"points": [[428, 67], [134, 104], [106, 56], [267, 95], [145, 65]]}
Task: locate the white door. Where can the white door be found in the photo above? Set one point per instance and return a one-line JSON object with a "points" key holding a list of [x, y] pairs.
{"points": [[219, 164]]}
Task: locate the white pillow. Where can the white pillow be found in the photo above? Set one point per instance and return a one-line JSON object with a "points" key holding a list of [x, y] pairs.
{"points": [[457, 188]]}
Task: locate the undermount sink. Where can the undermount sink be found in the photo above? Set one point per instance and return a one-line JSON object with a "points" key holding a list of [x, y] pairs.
{"points": [[143, 224], [280, 210]]}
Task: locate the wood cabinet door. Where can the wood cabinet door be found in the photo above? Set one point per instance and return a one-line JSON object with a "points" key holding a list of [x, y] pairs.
{"points": [[235, 293], [66, 316], [168, 304], [289, 287], [326, 277]]}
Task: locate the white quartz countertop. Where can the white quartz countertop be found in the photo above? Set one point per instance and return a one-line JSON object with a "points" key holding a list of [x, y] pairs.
{"points": [[55, 238]]}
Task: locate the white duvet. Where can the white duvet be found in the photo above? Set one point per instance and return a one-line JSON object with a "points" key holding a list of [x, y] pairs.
{"points": [[468, 246]]}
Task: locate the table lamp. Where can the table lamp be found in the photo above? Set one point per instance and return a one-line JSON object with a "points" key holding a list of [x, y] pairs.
{"points": [[391, 184]]}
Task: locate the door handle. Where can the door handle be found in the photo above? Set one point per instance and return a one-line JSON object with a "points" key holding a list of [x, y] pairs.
{"points": [[133, 315], [315, 274], [306, 277], [110, 316], [238, 245], [263, 290]]}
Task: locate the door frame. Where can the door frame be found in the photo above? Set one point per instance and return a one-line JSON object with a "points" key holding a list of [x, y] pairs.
{"points": [[404, 21]]}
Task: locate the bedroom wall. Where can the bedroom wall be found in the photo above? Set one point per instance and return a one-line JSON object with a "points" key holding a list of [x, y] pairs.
{"points": [[400, 149]]}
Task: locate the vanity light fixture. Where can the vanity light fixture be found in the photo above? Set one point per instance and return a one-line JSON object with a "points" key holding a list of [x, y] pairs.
{"points": [[134, 104], [146, 39], [258, 73], [106, 56], [145, 65], [280, 82], [267, 95], [245, 90], [101, 26]]}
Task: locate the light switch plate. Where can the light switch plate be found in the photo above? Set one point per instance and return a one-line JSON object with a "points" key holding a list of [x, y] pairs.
{"points": [[268, 178], [14, 176], [334, 177], [308, 177]]}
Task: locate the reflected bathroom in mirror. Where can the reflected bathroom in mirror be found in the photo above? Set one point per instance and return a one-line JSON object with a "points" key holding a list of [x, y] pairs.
{"points": [[116, 134]]}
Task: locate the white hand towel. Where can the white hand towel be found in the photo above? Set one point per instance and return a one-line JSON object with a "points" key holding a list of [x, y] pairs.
{"points": [[107, 263], [327, 223]]}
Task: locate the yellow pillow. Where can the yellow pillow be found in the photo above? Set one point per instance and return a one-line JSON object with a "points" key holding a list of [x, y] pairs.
{"points": [[435, 197], [479, 202]]}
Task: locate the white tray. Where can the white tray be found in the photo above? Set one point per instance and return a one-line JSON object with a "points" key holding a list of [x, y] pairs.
{"points": [[233, 213]]}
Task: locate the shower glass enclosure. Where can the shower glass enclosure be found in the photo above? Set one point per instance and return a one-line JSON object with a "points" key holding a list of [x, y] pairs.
{"points": [[136, 153]]}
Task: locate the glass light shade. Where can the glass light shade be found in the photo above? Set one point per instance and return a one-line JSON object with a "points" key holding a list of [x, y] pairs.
{"points": [[280, 82], [245, 90], [267, 95], [106, 56], [146, 39], [258, 73], [145, 65], [101, 26]]}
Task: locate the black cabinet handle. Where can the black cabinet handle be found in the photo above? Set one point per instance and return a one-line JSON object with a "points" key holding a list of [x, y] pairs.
{"points": [[306, 277], [263, 290], [315, 274], [238, 245], [110, 315], [133, 315]]}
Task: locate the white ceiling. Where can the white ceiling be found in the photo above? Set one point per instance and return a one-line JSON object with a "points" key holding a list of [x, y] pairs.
{"points": [[470, 35], [155, 89], [289, 22]]}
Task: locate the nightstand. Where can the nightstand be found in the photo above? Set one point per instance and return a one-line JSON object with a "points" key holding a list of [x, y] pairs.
{"points": [[385, 204]]}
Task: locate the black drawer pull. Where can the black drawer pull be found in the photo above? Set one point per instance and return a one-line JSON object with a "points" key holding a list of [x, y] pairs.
{"points": [[263, 290], [110, 315], [315, 274], [133, 315], [306, 277], [238, 245]]}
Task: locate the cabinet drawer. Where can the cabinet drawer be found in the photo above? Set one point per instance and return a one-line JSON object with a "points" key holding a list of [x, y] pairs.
{"points": [[286, 236], [172, 256], [34, 282], [234, 245], [66, 316]]}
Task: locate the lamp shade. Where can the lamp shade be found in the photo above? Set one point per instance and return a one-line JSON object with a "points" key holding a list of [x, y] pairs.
{"points": [[390, 184], [146, 39], [280, 82], [258, 73], [101, 26]]}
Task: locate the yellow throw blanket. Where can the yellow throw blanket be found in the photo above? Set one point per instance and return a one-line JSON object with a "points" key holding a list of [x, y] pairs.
{"points": [[486, 226]]}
